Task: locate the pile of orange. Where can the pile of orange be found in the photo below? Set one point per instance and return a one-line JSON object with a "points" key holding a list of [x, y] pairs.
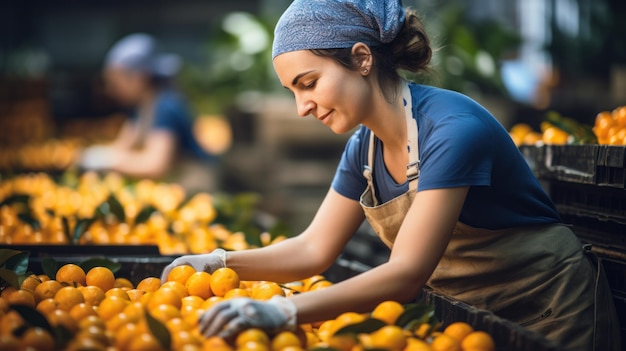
{"points": [[99, 311], [177, 223], [610, 126], [523, 134]]}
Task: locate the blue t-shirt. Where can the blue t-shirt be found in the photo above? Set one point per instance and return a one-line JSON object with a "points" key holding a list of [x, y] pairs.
{"points": [[460, 144], [172, 114]]}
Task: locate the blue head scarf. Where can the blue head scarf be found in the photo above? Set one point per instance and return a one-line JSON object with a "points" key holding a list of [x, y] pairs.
{"points": [[138, 52], [330, 24]]}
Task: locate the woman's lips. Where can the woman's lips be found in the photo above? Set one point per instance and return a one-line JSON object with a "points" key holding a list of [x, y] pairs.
{"points": [[324, 117]]}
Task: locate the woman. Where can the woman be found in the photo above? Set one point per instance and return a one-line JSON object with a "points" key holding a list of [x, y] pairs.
{"points": [[437, 177], [159, 136]]}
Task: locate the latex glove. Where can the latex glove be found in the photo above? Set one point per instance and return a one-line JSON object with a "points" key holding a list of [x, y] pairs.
{"points": [[203, 262], [227, 318], [97, 157]]}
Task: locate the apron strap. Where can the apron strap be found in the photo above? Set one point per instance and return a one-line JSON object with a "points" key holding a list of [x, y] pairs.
{"points": [[413, 167]]}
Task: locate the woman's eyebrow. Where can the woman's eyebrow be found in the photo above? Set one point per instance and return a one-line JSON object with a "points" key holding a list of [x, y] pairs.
{"points": [[297, 78]]}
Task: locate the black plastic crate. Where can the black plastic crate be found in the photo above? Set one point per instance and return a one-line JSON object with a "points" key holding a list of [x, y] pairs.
{"points": [[611, 170], [507, 335], [137, 261], [582, 200]]}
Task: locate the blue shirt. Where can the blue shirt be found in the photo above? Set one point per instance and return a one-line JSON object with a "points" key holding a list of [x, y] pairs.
{"points": [[173, 115], [460, 144]]}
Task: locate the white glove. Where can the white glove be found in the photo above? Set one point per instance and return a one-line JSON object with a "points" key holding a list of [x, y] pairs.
{"points": [[97, 157], [204, 262], [227, 318]]}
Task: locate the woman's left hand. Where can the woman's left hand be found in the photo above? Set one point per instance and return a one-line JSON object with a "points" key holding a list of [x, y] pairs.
{"points": [[227, 318]]}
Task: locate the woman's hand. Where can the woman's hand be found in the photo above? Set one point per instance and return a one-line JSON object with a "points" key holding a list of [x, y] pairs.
{"points": [[227, 318], [201, 263]]}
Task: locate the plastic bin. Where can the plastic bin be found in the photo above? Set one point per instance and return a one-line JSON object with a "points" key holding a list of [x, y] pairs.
{"points": [[507, 335]]}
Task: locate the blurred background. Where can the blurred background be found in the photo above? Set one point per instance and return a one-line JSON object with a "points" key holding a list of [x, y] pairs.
{"points": [[520, 58]]}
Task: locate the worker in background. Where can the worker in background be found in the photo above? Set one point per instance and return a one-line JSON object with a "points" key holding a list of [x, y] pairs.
{"points": [[158, 139]]}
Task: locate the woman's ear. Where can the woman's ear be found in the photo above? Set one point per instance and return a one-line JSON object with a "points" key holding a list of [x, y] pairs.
{"points": [[362, 58]]}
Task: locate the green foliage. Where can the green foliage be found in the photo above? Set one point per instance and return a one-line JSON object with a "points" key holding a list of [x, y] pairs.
{"points": [[159, 331]]}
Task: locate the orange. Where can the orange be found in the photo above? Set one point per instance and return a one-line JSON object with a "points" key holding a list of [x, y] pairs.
{"points": [[389, 337], [135, 294], [556, 136], [67, 297], [177, 286], [208, 303], [388, 311], [101, 277], [46, 306], [223, 280], [478, 340], [30, 282], [134, 310], [311, 280], [144, 342], [619, 115], [458, 330], [445, 342], [119, 320], [237, 292], [266, 290], [149, 284], [165, 296], [111, 306], [164, 312], [285, 339], [344, 342], [62, 318], [184, 338], [180, 274], [199, 284], [123, 283], [91, 321], [4, 305], [125, 334], [193, 301], [117, 292], [47, 290], [10, 321], [21, 297], [347, 318], [177, 324], [38, 339], [8, 342], [251, 335], [6, 291], [415, 344], [93, 295], [320, 284], [71, 273], [81, 311], [215, 343]]}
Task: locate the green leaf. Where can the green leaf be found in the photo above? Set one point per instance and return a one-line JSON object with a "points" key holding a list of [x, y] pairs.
{"points": [[100, 262], [6, 254], [18, 263], [62, 336], [145, 214], [66, 229], [17, 198], [81, 228], [50, 266], [159, 331], [367, 326], [30, 220], [9, 277], [33, 317], [116, 208], [419, 312]]}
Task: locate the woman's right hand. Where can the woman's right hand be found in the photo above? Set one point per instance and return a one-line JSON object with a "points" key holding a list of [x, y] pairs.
{"points": [[201, 263]]}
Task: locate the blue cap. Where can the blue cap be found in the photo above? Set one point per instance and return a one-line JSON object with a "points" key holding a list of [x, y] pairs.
{"points": [[331, 24], [138, 52]]}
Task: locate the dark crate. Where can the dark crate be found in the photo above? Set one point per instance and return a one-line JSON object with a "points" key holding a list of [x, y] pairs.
{"points": [[137, 261], [611, 170], [507, 335]]}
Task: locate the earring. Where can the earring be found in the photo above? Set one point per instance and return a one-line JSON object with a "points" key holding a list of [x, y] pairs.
{"points": [[365, 70]]}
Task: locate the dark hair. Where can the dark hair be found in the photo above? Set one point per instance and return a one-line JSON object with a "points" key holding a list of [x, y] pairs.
{"points": [[409, 51]]}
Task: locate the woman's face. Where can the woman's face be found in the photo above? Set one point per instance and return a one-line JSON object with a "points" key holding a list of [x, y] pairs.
{"points": [[338, 97], [127, 87]]}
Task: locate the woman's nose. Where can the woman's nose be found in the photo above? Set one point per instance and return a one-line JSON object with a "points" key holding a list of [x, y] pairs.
{"points": [[304, 106]]}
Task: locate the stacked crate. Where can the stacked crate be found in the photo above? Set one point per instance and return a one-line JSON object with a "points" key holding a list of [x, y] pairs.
{"points": [[588, 186]]}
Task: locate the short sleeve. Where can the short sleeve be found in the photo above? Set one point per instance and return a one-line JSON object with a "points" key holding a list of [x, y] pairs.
{"points": [[458, 153]]}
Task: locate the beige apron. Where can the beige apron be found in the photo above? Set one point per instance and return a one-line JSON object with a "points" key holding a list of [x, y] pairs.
{"points": [[538, 277]]}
